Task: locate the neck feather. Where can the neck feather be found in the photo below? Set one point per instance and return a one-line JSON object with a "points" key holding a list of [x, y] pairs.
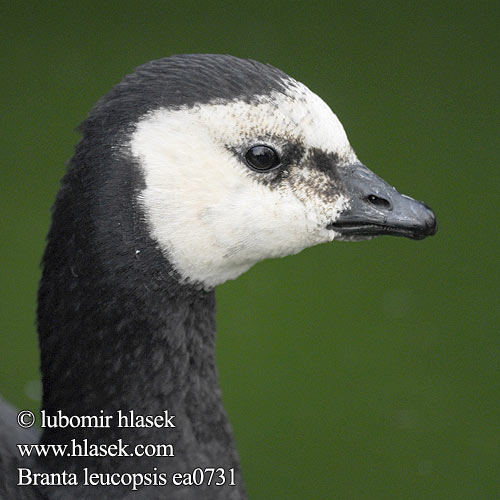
{"points": [[118, 331]]}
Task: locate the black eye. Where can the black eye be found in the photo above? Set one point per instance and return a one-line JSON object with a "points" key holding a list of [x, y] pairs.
{"points": [[262, 158]]}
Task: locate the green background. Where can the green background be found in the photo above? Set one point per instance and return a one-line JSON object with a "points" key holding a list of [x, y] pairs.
{"points": [[350, 371]]}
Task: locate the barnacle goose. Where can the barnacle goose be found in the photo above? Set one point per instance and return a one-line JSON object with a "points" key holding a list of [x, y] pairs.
{"points": [[189, 171]]}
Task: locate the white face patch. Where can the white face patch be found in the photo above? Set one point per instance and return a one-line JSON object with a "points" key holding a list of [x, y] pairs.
{"points": [[214, 217]]}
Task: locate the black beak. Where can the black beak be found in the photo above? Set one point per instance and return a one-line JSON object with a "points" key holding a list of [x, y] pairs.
{"points": [[375, 208]]}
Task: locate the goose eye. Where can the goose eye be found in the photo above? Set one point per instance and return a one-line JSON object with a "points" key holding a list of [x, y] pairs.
{"points": [[262, 158]]}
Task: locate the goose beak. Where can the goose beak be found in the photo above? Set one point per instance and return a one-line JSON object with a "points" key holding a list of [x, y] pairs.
{"points": [[375, 208]]}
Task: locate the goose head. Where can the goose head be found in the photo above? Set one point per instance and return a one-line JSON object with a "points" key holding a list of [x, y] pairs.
{"points": [[242, 163]]}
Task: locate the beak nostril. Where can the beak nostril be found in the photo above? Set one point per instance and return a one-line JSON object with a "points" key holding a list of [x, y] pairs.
{"points": [[378, 202]]}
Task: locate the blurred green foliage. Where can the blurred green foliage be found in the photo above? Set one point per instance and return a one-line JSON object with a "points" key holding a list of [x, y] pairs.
{"points": [[350, 371]]}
